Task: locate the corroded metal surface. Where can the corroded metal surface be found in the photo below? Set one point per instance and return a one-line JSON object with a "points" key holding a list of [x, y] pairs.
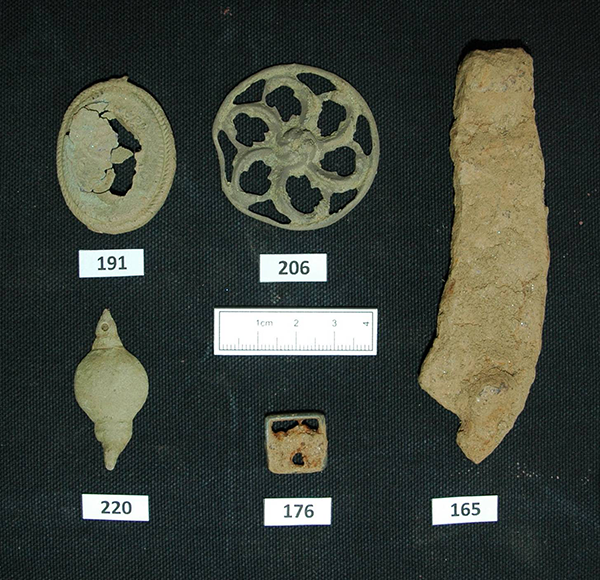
{"points": [[295, 145], [88, 149], [296, 442], [111, 386]]}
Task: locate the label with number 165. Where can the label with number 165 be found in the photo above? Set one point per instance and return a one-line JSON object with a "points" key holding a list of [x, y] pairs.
{"points": [[464, 510]]}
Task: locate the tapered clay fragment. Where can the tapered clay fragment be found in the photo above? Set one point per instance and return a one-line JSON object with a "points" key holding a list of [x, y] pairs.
{"points": [[90, 152], [482, 363], [111, 386]]}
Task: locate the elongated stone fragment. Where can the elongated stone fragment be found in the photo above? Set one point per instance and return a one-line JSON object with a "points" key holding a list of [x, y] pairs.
{"points": [[489, 330]]}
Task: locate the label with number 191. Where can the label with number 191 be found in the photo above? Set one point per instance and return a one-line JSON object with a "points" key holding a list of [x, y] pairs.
{"points": [[110, 263]]}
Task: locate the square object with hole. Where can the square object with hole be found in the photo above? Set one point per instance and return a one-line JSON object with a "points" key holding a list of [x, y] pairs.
{"points": [[296, 442]]}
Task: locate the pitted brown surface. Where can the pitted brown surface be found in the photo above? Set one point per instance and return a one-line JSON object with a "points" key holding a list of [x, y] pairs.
{"points": [[88, 151], [489, 331], [293, 445]]}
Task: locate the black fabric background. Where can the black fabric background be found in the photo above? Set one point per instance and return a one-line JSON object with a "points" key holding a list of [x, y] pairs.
{"points": [[197, 448]]}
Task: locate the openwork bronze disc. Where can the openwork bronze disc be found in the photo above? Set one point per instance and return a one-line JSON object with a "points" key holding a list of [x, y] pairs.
{"points": [[298, 147]]}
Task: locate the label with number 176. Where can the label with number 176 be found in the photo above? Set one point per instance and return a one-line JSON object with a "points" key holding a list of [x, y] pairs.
{"points": [[298, 511]]}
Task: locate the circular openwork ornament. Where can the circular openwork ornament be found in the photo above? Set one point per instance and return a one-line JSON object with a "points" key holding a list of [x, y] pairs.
{"points": [[107, 127], [298, 147]]}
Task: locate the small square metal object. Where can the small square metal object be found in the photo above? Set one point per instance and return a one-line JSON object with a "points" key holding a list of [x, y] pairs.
{"points": [[296, 442]]}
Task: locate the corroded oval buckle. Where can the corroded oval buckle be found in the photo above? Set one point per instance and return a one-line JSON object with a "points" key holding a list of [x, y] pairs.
{"points": [[89, 151]]}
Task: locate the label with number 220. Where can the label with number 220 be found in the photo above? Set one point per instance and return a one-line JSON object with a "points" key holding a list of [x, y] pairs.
{"points": [[98, 506]]}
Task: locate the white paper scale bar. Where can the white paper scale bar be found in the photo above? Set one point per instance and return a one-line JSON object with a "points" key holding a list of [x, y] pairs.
{"points": [[256, 331]]}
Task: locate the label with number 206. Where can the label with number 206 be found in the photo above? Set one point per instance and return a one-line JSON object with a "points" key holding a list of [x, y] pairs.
{"points": [[293, 267]]}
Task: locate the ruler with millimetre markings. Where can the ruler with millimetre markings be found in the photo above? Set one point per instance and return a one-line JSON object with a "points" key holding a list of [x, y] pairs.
{"points": [[296, 331]]}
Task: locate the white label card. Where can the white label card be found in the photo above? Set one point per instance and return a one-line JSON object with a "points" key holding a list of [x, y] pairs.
{"points": [[293, 267], [464, 510], [129, 508], [298, 511], [110, 263]]}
